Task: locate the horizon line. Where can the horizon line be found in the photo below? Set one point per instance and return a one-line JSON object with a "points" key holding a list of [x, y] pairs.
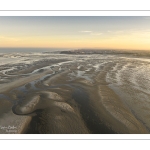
{"points": [[73, 48]]}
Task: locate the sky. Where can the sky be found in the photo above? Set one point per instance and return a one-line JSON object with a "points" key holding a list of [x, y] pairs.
{"points": [[102, 32]]}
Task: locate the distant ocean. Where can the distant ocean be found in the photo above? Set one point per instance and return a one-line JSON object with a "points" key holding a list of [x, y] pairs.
{"points": [[27, 50]]}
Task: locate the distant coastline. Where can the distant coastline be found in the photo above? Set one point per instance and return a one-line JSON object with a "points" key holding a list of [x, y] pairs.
{"points": [[23, 50]]}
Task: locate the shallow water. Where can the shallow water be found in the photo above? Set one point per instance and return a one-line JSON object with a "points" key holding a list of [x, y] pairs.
{"points": [[128, 77]]}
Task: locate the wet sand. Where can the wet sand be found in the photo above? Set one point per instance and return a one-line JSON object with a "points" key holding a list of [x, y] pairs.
{"points": [[69, 95]]}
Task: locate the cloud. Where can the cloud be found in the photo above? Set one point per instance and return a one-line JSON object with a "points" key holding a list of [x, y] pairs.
{"points": [[91, 32], [86, 31]]}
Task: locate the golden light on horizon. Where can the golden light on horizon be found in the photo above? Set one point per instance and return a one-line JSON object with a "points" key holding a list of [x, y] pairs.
{"points": [[60, 32], [60, 42]]}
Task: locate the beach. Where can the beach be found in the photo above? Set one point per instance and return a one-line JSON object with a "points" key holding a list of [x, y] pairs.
{"points": [[52, 93]]}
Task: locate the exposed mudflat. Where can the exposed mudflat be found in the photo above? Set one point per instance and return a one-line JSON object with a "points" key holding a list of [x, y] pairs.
{"points": [[70, 94]]}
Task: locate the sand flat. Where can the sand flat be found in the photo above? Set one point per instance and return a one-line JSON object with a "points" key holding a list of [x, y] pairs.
{"points": [[75, 94]]}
